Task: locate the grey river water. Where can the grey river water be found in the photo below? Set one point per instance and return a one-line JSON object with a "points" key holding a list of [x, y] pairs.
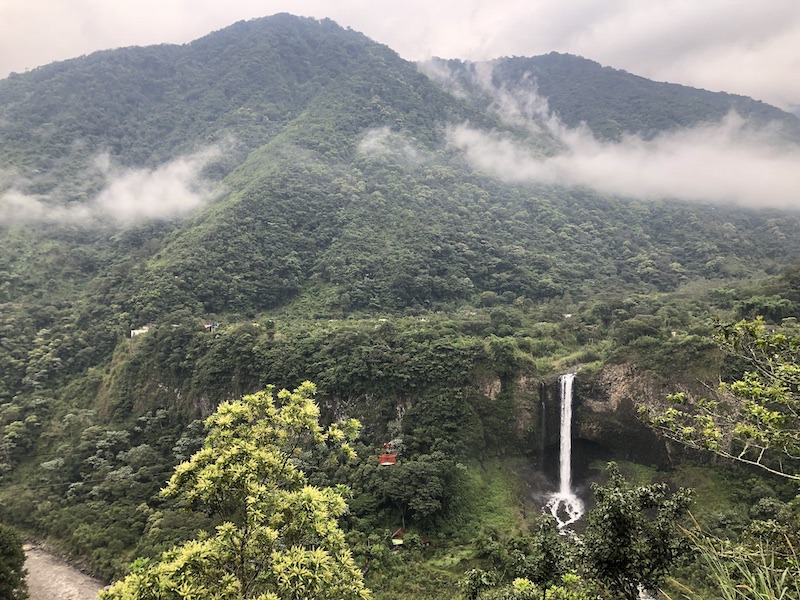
{"points": [[50, 578]]}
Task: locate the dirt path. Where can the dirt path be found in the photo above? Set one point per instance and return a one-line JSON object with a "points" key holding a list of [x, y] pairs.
{"points": [[50, 578]]}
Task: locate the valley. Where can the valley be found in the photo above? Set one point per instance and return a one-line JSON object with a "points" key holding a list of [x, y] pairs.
{"points": [[435, 247]]}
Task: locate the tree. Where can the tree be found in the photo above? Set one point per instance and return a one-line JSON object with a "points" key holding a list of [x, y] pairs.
{"points": [[420, 488], [12, 565], [755, 419], [632, 541], [279, 537], [631, 537], [477, 584], [475, 581], [538, 555]]}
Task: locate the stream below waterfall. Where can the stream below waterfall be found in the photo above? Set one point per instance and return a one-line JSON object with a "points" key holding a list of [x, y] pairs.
{"points": [[51, 578]]}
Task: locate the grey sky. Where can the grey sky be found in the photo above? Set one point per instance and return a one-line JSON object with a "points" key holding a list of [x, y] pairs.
{"points": [[740, 46]]}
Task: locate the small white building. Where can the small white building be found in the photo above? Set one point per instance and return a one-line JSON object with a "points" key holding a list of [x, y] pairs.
{"points": [[140, 331]]}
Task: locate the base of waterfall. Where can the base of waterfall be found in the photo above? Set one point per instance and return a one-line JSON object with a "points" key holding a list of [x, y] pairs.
{"points": [[567, 508]]}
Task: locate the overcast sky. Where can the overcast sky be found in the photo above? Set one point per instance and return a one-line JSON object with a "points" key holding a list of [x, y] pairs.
{"points": [[750, 47]]}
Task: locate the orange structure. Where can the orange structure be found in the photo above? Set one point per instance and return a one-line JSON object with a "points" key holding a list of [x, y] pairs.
{"points": [[388, 457]]}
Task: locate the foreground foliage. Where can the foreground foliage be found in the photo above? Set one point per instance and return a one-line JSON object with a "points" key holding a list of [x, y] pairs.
{"points": [[278, 537], [756, 418], [760, 571], [632, 541], [12, 565]]}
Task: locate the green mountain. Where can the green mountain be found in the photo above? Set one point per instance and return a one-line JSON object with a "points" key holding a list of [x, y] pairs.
{"points": [[332, 172], [299, 185], [611, 102]]}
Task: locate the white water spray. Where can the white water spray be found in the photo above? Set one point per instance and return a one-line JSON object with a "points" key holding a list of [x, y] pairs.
{"points": [[565, 506]]}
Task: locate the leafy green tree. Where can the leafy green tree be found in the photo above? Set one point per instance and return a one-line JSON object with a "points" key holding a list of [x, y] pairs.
{"points": [[475, 581], [520, 589], [279, 537], [421, 488], [539, 555], [755, 419], [571, 587], [12, 565], [632, 540], [534, 564]]}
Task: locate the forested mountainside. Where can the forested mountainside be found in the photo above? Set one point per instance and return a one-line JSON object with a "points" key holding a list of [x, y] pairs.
{"points": [[285, 200], [611, 102], [242, 86]]}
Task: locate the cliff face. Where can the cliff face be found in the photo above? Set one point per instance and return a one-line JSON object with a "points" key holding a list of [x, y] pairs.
{"points": [[605, 422], [608, 417]]}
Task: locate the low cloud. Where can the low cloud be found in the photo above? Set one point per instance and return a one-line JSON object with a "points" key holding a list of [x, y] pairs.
{"points": [[127, 196], [728, 161], [384, 141]]}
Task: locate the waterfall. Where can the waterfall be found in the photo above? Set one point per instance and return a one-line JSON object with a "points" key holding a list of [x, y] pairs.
{"points": [[565, 506], [565, 435]]}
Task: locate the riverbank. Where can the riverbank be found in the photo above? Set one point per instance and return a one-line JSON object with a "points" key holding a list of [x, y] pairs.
{"points": [[50, 578]]}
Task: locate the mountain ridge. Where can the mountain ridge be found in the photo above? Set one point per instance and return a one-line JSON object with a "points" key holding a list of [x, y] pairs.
{"points": [[303, 111], [568, 80], [290, 38]]}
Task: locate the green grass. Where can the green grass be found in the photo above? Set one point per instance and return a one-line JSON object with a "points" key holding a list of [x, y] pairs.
{"points": [[453, 557], [635, 473], [713, 492], [415, 580], [494, 495]]}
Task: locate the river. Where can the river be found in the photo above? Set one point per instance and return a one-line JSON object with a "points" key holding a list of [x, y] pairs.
{"points": [[50, 578]]}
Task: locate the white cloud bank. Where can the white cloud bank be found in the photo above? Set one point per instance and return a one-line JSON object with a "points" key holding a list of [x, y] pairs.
{"points": [[129, 195], [728, 161]]}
